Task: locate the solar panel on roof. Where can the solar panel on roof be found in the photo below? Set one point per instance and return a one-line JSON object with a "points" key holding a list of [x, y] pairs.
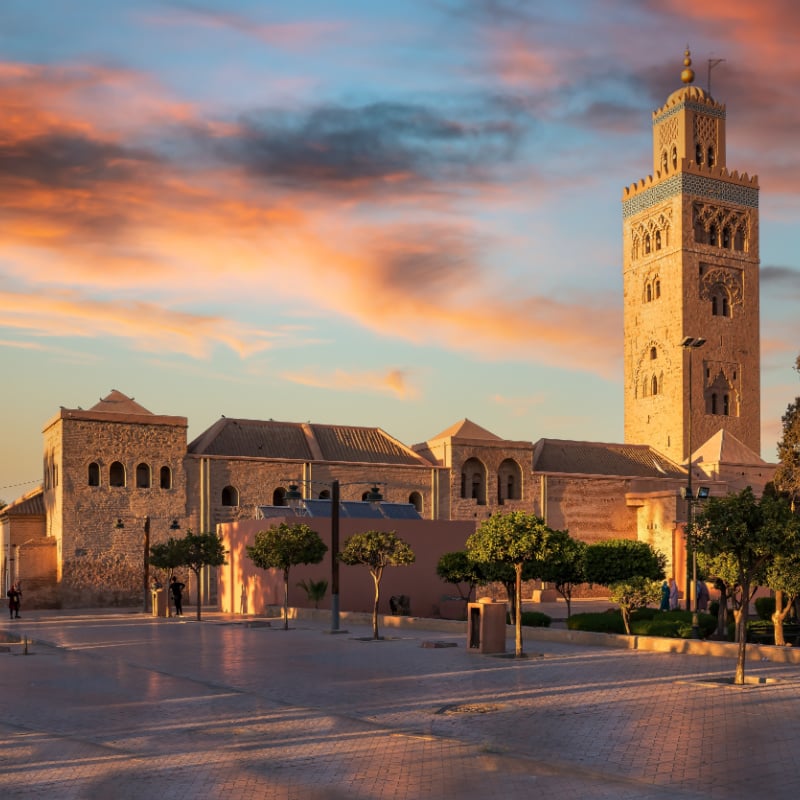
{"points": [[359, 510], [317, 508], [399, 511]]}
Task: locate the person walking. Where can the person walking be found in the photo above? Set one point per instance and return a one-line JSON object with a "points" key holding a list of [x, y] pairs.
{"points": [[14, 600], [176, 589]]}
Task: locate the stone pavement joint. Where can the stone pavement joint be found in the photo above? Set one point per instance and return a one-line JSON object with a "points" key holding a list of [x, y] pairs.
{"points": [[126, 706]]}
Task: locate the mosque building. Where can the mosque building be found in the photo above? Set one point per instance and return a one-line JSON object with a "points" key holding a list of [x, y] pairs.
{"points": [[117, 477]]}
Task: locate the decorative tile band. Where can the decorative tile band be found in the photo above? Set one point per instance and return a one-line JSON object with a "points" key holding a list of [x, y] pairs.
{"points": [[696, 185], [711, 111]]}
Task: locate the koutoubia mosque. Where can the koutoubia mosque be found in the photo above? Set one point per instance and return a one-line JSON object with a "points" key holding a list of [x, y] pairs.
{"points": [[115, 472]]}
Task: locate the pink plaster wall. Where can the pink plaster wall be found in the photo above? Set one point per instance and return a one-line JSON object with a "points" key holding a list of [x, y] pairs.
{"points": [[244, 588]]}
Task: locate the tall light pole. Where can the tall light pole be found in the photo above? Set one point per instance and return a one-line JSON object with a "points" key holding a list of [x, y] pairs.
{"points": [[691, 343]]}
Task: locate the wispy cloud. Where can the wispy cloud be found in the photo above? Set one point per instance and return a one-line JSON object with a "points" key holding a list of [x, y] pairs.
{"points": [[394, 381]]}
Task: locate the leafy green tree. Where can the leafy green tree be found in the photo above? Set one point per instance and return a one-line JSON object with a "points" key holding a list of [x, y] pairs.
{"points": [[376, 550], [202, 550], [739, 536], [514, 539], [459, 569], [284, 546], [625, 564], [787, 475], [563, 564], [315, 590], [194, 550], [636, 592], [167, 557]]}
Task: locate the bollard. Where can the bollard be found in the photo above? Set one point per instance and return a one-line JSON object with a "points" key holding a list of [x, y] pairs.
{"points": [[25, 650]]}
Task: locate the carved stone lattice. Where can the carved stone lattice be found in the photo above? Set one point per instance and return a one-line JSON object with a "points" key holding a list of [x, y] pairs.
{"points": [[708, 217], [654, 231], [668, 132], [731, 279], [705, 130]]}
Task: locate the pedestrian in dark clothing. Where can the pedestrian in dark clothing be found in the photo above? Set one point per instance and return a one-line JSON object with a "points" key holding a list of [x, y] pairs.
{"points": [[14, 599], [664, 597], [176, 588]]}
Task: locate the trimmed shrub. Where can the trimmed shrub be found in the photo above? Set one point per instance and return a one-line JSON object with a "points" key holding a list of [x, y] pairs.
{"points": [[765, 607], [645, 622], [535, 619], [607, 622]]}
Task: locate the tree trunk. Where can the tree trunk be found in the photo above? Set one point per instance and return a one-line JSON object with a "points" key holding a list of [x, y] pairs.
{"points": [[741, 633], [286, 599], [779, 617], [376, 577], [626, 619], [511, 592], [197, 584], [518, 620]]}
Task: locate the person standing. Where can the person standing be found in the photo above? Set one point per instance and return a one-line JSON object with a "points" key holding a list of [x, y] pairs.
{"points": [[673, 595], [664, 597], [176, 589], [702, 596], [14, 600]]}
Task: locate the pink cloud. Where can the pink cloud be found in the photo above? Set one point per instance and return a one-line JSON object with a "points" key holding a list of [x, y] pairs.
{"points": [[394, 381]]}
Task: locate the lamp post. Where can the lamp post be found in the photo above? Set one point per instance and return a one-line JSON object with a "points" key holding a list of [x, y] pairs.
{"points": [[691, 343], [293, 496], [174, 526]]}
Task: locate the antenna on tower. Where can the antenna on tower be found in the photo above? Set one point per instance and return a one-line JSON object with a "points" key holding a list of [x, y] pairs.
{"points": [[712, 62]]}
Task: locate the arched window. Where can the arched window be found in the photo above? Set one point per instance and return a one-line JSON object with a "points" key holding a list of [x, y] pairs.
{"points": [[674, 157], [648, 293], [726, 237], [654, 385], [325, 494], [166, 478], [415, 498], [698, 153], [509, 481], [658, 288], [278, 498], [653, 353], [711, 157], [664, 162], [658, 240], [713, 403], [738, 240], [230, 496], [713, 236], [116, 474], [142, 476], [726, 404], [473, 481], [94, 474], [720, 305], [647, 244], [714, 306]]}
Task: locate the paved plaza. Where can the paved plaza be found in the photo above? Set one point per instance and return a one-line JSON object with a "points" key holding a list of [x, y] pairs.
{"points": [[123, 705]]}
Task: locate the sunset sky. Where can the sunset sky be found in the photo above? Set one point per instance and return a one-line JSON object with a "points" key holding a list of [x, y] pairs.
{"points": [[374, 213]]}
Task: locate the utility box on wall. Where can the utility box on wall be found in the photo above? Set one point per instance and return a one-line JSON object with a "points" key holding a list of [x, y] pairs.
{"points": [[486, 626]]}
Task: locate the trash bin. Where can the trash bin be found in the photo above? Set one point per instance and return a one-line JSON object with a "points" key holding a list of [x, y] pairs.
{"points": [[486, 626], [159, 603]]}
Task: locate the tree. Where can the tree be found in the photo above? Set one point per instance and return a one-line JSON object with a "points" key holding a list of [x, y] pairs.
{"points": [[377, 550], [282, 547], [626, 567], [738, 536], [458, 568], [194, 550], [315, 590], [787, 475], [563, 564], [514, 539], [636, 592]]}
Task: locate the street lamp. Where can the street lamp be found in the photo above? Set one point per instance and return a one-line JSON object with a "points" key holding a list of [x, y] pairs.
{"points": [[691, 343], [293, 497], [174, 526]]}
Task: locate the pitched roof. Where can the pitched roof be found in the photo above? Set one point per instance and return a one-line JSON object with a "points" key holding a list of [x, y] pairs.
{"points": [[118, 403], [30, 504], [295, 441], [466, 429], [594, 458], [724, 448]]}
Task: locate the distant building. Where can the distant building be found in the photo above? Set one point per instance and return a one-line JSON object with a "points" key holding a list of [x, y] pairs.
{"points": [[118, 478]]}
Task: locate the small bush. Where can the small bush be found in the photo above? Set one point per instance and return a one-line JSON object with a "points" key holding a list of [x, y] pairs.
{"points": [[535, 619], [645, 622], [765, 607], [607, 622]]}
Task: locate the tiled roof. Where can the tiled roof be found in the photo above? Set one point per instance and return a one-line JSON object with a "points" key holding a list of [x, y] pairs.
{"points": [[591, 458], [724, 448], [118, 403], [302, 442], [253, 439], [30, 504], [466, 429]]}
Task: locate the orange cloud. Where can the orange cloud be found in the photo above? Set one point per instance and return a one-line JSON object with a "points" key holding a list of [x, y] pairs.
{"points": [[394, 381]]}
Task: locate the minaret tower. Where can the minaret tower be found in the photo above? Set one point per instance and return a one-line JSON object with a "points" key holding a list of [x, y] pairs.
{"points": [[690, 269]]}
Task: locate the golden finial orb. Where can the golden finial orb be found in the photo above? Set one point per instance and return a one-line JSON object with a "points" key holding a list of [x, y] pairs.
{"points": [[687, 75]]}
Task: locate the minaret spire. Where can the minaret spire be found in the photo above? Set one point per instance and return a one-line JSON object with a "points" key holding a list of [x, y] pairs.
{"points": [[687, 75]]}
